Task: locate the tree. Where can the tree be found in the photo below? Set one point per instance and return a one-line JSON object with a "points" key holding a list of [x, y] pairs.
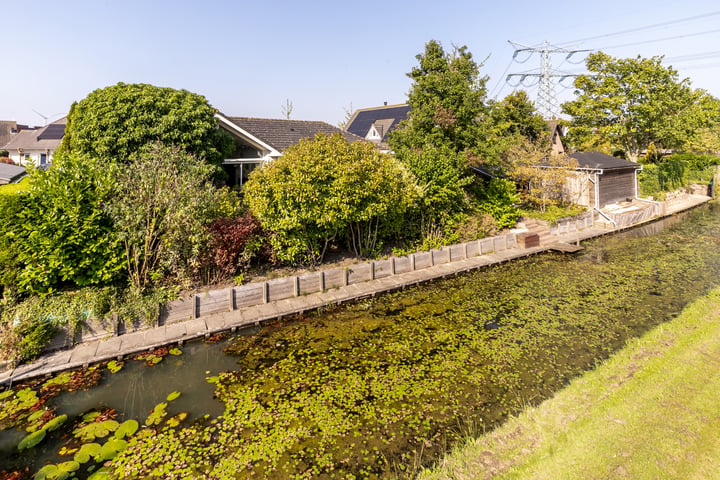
{"points": [[162, 203], [446, 100], [509, 122], [117, 121], [540, 175], [287, 109], [323, 188], [628, 103]]}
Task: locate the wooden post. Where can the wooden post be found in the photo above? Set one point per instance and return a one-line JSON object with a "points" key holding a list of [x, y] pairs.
{"points": [[196, 307], [297, 286], [266, 292], [392, 265], [372, 270], [232, 299], [412, 262], [322, 281]]}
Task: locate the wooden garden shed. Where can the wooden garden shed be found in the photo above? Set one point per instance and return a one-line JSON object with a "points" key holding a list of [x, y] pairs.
{"points": [[600, 179]]}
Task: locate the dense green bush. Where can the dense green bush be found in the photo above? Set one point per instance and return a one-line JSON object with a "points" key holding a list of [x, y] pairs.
{"points": [[498, 197], [11, 207], [118, 121], [162, 202], [325, 189], [62, 234]]}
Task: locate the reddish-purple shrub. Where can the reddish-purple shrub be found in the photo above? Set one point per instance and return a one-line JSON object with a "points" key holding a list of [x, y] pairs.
{"points": [[234, 243]]}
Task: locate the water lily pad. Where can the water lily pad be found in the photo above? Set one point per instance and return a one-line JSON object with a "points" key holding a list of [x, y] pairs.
{"points": [[35, 415], [175, 351], [55, 423], [175, 421], [93, 430], [90, 416], [87, 451], [31, 440], [46, 472], [173, 396], [114, 366], [157, 414], [127, 428], [111, 448]]}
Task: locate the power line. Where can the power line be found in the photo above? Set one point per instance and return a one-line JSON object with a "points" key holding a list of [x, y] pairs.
{"points": [[644, 42], [500, 79], [547, 102], [647, 27]]}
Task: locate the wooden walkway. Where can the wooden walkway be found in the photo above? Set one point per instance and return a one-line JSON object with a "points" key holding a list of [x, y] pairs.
{"points": [[119, 346]]}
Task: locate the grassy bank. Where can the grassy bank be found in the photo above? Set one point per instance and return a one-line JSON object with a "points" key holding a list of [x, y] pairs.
{"points": [[650, 411]]}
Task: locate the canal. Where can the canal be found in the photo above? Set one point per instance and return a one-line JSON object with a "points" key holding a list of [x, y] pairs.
{"points": [[368, 390]]}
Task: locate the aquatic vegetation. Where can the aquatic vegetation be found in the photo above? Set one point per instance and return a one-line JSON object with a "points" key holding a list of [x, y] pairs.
{"points": [[115, 366], [370, 389]]}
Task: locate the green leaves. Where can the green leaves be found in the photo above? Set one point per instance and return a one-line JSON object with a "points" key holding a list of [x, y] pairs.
{"points": [[163, 200], [325, 187], [63, 234], [31, 440], [627, 104], [116, 122]]}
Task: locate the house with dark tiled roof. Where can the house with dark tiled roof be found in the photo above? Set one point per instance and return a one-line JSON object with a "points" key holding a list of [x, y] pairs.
{"points": [[260, 140], [36, 146], [374, 124]]}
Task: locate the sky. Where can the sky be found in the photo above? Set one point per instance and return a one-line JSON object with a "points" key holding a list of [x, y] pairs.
{"points": [[249, 58]]}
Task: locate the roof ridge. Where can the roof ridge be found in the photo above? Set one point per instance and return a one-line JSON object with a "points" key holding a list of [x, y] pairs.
{"points": [[382, 106], [279, 119]]}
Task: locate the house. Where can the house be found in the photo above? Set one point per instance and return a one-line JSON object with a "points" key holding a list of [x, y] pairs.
{"points": [[260, 140], [374, 124], [602, 179], [36, 146], [557, 132], [11, 173]]}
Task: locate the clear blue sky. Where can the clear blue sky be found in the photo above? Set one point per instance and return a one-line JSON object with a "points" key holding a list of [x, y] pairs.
{"points": [[248, 57]]}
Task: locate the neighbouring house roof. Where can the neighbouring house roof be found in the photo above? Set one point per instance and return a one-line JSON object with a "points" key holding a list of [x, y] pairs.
{"points": [[382, 119], [11, 173], [602, 161], [557, 132], [8, 128], [276, 135], [45, 138]]}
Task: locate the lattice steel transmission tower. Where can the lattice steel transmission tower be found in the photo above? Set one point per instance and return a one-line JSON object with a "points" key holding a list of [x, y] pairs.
{"points": [[547, 102]]}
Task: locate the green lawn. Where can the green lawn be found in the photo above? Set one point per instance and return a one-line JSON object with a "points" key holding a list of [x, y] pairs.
{"points": [[651, 411], [22, 185]]}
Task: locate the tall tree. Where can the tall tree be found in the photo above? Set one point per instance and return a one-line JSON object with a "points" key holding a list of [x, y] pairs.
{"points": [[446, 100], [628, 103], [115, 122], [509, 122]]}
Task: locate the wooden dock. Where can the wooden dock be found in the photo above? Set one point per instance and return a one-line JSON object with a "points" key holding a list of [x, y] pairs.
{"points": [[565, 247]]}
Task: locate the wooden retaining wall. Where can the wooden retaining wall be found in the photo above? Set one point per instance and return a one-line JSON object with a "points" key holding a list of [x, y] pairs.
{"points": [[573, 224], [234, 298]]}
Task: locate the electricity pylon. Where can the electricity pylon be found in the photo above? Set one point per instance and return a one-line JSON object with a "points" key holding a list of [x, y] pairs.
{"points": [[547, 103]]}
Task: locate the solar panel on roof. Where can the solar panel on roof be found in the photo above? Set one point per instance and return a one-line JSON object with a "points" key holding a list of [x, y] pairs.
{"points": [[53, 132]]}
